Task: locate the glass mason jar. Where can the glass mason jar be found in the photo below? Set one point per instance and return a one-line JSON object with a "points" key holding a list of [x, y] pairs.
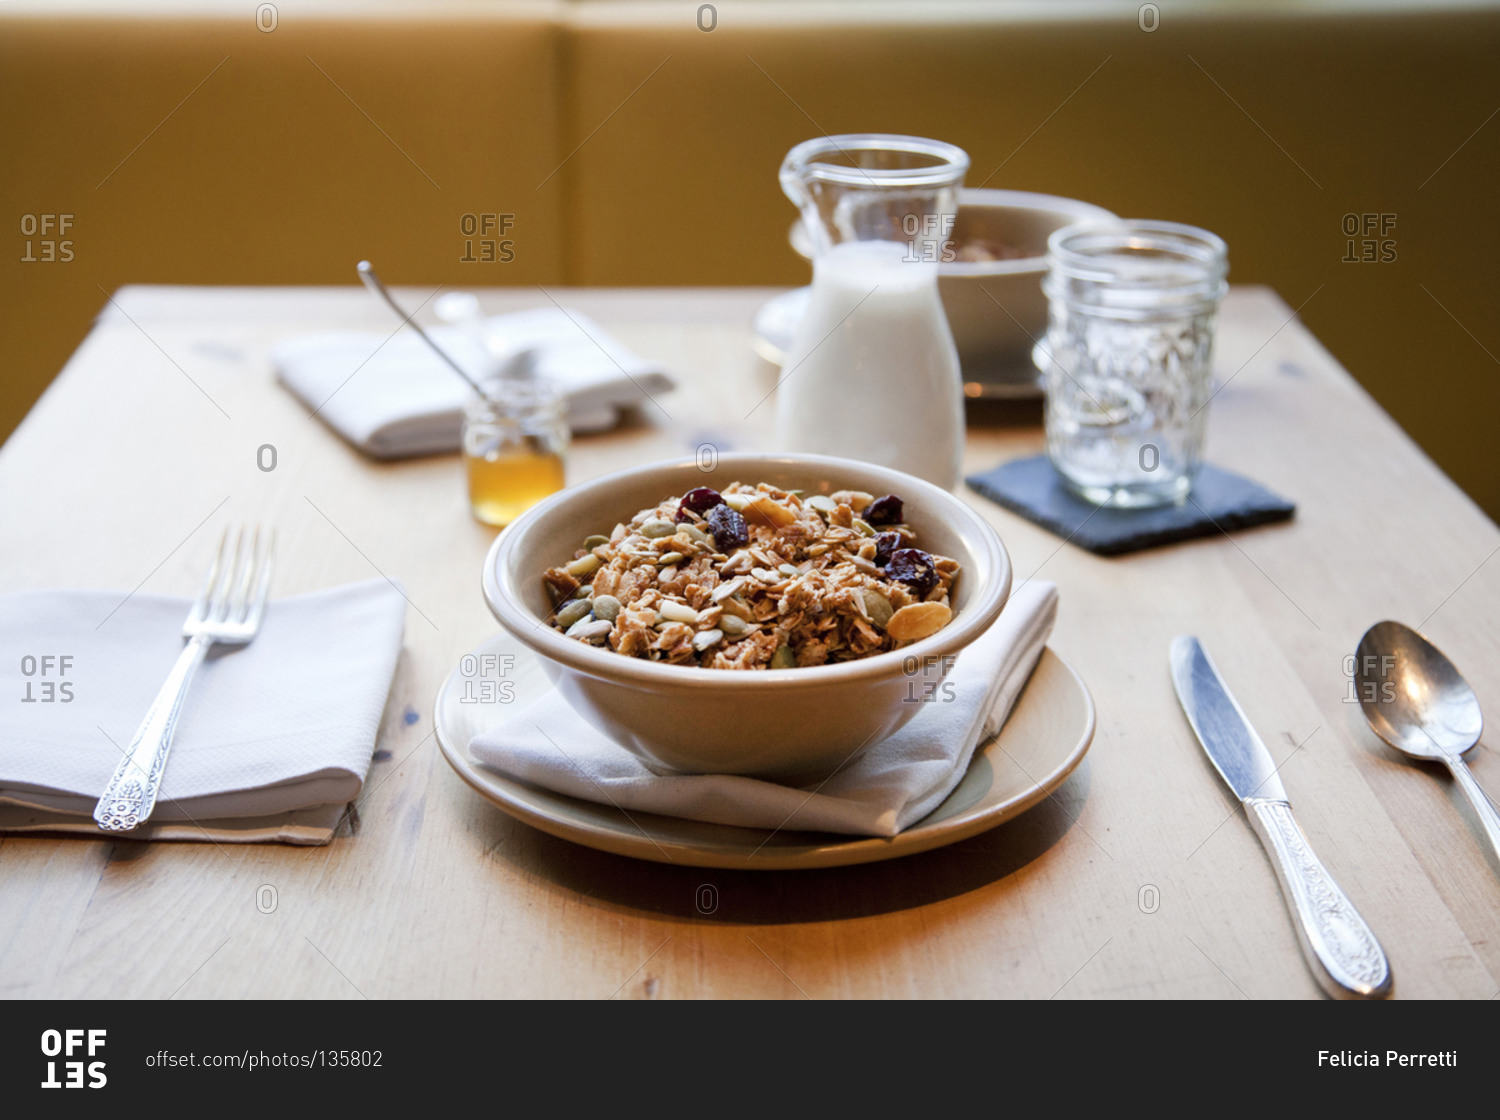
{"points": [[1132, 308], [515, 441]]}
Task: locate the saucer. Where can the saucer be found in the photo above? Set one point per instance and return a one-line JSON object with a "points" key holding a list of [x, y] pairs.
{"points": [[1046, 736]]}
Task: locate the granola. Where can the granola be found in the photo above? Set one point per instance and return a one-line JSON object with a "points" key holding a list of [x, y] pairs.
{"points": [[755, 577]]}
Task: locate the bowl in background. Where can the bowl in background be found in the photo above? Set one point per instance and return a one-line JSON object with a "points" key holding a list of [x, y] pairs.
{"points": [[995, 308], [789, 724]]}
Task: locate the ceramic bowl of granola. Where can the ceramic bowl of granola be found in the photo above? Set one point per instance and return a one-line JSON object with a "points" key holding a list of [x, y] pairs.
{"points": [[772, 616]]}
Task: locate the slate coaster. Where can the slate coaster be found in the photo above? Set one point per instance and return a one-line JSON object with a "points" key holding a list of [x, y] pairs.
{"points": [[1032, 488]]}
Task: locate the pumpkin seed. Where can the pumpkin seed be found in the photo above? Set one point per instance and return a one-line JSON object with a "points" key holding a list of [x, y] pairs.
{"points": [[783, 658], [864, 527], [738, 502], [670, 558], [822, 503], [705, 638], [595, 541], [877, 606], [573, 611], [694, 534], [583, 565], [677, 612], [733, 625], [607, 607], [658, 527]]}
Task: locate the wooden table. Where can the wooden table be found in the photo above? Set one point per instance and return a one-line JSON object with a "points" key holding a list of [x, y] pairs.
{"points": [[1139, 878]]}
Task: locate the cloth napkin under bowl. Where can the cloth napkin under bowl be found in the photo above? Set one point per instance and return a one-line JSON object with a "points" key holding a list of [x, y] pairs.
{"points": [[393, 398], [274, 738], [893, 784]]}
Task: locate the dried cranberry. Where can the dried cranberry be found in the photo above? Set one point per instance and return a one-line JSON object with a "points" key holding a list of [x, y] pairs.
{"points": [[728, 528], [914, 568], [698, 501], [885, 544], [884, 511]]}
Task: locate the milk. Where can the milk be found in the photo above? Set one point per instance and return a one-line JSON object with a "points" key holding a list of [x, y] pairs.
{"points": [[872, 373]]}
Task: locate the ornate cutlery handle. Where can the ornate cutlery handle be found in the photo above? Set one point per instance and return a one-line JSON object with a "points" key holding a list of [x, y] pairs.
{"points": [[131, 794], [1345, 957], [1483, 806]]}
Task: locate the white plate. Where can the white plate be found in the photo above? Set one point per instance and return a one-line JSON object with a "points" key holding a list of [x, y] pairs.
{"points": [[1046, 736], [776, 323]]}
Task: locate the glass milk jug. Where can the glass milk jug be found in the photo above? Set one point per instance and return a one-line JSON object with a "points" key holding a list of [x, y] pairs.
{"points": [[872, 373]]}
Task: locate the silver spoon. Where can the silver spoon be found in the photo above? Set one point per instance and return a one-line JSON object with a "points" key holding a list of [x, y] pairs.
{"points": [[367, 274], [1417, 701]]}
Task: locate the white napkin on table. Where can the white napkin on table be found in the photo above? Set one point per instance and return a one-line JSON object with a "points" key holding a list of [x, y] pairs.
{"points": [[892, 785], [274, 737], [400, 399]]}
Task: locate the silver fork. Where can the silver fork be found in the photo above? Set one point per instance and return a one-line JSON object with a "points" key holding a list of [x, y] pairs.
{"points": [[225, 613]]}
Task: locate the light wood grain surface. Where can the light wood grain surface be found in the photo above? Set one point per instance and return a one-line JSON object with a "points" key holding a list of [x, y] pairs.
{"points": [[1140, 878]]}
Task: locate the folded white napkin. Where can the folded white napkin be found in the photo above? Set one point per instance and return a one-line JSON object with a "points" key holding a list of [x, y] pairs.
{"points": [[400, 399], [268, 731], [892, 785]]}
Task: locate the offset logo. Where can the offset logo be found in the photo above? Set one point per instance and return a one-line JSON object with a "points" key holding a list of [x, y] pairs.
{"points": [[53, 246], [1369, 239], [489, 232], [46, 672], [927, 679], [484, 676], [73, 1046]]}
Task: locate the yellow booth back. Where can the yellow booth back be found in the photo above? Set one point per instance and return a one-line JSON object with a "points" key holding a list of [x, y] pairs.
{"points": [[637, 144]]}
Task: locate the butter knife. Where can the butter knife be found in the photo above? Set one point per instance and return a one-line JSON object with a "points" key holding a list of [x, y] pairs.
{"points": [[1343, 954]]}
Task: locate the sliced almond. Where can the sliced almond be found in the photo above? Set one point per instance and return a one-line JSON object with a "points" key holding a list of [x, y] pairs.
{"points": [[854, 499], [920, 620], [583, 565], [765, 510], [705, 638], [725, 590], [680, 612]]}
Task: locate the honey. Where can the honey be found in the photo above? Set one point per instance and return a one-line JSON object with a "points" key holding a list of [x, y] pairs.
{"points": [[503, 486], [514, 442]]}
